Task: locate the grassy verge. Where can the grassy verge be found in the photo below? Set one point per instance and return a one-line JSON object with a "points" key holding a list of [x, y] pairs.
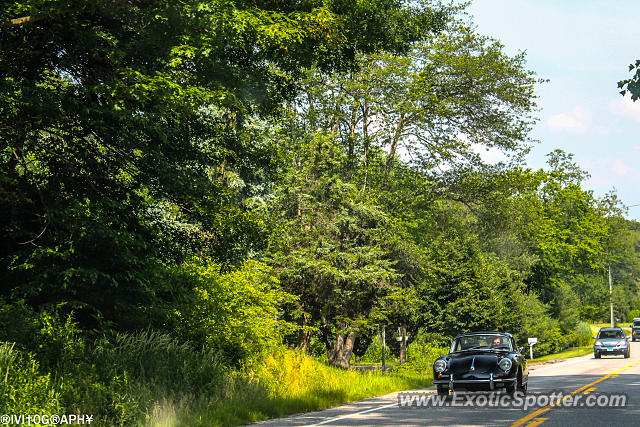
{"points": [[286, 382], [148, 378], [572, 352]]}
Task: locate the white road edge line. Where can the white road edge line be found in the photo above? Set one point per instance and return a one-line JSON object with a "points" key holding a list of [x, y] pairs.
{"points": [[355, 414]]}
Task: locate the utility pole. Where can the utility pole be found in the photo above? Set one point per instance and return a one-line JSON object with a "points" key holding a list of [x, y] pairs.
{"points": [[611, 296]]}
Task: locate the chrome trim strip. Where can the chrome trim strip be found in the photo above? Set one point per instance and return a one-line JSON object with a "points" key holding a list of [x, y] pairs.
{"points": [[495, 381]]}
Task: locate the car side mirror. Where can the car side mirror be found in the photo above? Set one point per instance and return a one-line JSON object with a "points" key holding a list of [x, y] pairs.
{"points": [[593, 338]]}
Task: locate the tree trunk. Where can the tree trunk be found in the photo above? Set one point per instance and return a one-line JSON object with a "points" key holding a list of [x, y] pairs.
{"points": [[365, 138], [394, 146], [340, 350], [403, 344], [352, 141], [305, 336]]}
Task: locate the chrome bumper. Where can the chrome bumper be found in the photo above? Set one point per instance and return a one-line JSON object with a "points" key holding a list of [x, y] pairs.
{"points": [[490, 381]]}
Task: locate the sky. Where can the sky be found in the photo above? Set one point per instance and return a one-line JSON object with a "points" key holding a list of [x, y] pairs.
{"points": [[584, 48]]}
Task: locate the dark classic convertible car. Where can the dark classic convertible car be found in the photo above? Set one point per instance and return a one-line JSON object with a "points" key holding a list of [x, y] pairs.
{"points": [[481, 361]]}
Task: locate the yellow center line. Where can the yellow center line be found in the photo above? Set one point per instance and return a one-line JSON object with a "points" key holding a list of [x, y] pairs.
{"points": [[536, 422], [544, 409], [589, 390]]}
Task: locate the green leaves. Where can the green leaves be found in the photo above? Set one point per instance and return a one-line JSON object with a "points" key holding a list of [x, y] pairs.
{"points": [[130, 136], [236, 312], [631, 85]]}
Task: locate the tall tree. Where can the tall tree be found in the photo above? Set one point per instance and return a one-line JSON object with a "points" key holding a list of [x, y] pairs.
{"points": [[454, 93]]}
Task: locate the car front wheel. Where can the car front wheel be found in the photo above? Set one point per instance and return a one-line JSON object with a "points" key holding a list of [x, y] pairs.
{"points": [[627, 354], [596, 355]]}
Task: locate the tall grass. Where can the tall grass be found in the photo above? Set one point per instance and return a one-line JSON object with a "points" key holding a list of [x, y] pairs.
{"points": [[131, 373], [149, 378], [286, 382]]}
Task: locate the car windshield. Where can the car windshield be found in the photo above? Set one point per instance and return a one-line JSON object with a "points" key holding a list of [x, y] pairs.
{"points": [[611, 334], [481, 341]]}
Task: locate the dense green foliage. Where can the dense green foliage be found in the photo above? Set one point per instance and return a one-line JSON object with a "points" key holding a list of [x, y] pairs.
{"points": [[188, 185]]}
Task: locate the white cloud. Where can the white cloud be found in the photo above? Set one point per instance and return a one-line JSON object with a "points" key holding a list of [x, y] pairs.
{"points": [[610, 172], [621, 168], [577, 121], [625, 107]]}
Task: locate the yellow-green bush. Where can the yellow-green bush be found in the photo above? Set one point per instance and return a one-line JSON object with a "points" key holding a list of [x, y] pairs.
{"points": [[234, 312], [23, 389]]}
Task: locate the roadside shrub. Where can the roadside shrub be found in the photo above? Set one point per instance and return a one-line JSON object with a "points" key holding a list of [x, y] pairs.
{"points": [[235, 312], [20, 324], [60, 343], [53, 338], [537, 323], [374, 351], [129, 374], [552, 340], [118, 380], [160, 361], [633, 314], [420, 357], [583, 334], [432, 338], [23, 389], [423, 351]]}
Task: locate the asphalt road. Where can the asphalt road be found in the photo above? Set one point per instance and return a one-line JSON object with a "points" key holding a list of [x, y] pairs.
{"points": [[577, 378]]}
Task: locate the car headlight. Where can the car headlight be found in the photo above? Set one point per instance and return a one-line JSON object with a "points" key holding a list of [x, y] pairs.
{"points": [[439, 365], [505, 364], [598, 343], [622, 343]]}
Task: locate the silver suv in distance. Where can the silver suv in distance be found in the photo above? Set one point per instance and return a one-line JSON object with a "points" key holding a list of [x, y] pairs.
{"points": [[611, 341]]}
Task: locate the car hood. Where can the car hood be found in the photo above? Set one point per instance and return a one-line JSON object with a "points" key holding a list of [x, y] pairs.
{"points": [[482, 362]]}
